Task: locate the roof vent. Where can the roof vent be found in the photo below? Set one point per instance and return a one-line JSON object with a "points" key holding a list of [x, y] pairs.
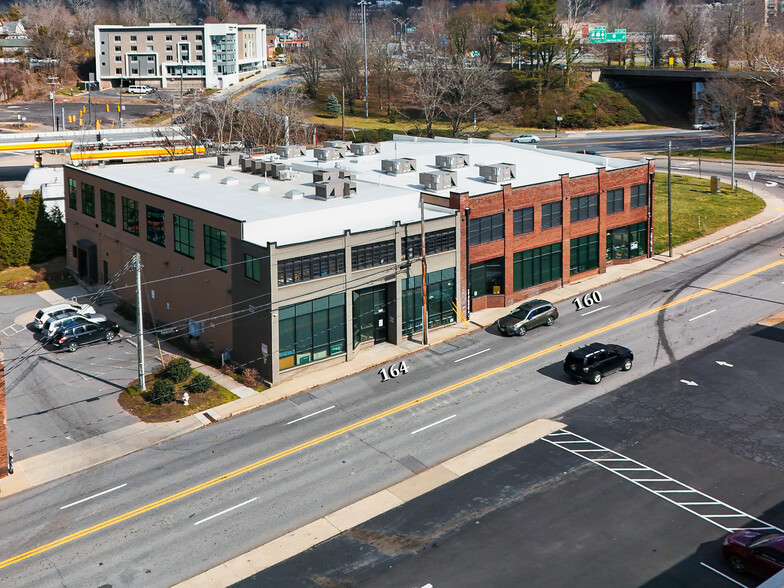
{"points": [[289, 151], [344, 147], [365, 148], [398, 166], [498, 173], [229, 159], [438, 180], [202, 175], [286, 174], [325, 175], [453, 161], [332, 189], [327, 153], [260, 187], [246, 163], [176, 169], [295, 194], [230, 181]]}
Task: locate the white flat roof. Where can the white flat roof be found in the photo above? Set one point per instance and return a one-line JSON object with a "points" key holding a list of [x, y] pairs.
{"points": [[380, 199]]}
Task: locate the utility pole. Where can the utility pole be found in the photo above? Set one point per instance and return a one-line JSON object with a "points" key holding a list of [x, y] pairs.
{"points": [[119, 108], [137, 264], [468, 262], [669, 193], [364, 3], [286, 130], [734, 120], [53, 81], [343, 114], [424, 270]]}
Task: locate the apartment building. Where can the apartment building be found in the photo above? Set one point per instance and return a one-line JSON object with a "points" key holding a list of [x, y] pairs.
{"points": [[164, 55]]}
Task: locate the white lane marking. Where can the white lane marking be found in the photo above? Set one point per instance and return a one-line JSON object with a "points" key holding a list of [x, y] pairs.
{"points": [[433, 424], [689, 383], [702, 315], [595, 310], [307, 416], [217, 514], [725, 364], [702, 563], [473, 355], [93, 496]]}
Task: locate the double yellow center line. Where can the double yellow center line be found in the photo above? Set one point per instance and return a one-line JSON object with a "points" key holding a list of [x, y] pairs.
{"points": [[371, 419]]}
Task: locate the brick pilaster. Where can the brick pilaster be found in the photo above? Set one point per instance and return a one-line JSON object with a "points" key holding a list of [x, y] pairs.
{"points": [[3, 435]]}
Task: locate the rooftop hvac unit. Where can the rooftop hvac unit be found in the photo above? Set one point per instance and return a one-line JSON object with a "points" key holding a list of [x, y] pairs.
{"points": [[398, 166], [228, 159], [437, 180], [327, 153], [344, 175], [289, 151], [258, 166], [365, 148], [343, 146], [453, 161], [246, 163], [498, 173], [325, 175], [332, 189], [285, 174]]}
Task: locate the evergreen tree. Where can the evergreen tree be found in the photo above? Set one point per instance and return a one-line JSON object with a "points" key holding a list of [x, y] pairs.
{"points": [[333, 106]]}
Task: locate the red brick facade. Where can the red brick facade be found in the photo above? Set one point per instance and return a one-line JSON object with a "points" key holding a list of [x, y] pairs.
{"points": [[3, 424], [508, 199]]}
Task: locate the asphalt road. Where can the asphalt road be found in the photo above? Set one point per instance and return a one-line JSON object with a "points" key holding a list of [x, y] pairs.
{"points": [[41, 112], [545, 517], [216, 493]]}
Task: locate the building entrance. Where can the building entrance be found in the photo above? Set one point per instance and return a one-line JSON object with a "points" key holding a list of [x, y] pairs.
{"points": [[370, 314]]}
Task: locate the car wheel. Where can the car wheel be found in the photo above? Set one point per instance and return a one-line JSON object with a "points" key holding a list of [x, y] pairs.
{"points": [[72, 347], [520, 331], [596, 377], [109, 335], [550, 321], [736, 563], [627, 365]]}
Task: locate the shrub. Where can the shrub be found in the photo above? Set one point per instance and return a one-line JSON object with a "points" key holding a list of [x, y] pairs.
{"points": [[162, 391], [250, 378], [227, 369], [179, 370], [200, 383]]}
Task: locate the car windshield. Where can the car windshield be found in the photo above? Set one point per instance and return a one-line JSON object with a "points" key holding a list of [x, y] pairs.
{"points": [[520, 313], [761, 540]]}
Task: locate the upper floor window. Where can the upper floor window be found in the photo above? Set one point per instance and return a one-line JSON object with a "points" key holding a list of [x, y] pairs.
{"points": [[523, 220], [88, 200], [108, 211], [584, 207], [551, 214], [486, 229], [183, 235], [130, 216], [310, 267], [72, 193], [435, 242], [639, 196], [372, 255], [252, 268], [615, 201], [215, 247], [156, 225]]}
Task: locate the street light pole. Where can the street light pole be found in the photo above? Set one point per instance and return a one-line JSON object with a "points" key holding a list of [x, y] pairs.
{"points": [[669, 193], [556, 122], [595, 117], [734, 118], [54, 124], [364, 3]]}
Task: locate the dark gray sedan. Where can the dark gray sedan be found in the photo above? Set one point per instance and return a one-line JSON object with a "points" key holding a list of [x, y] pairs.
{"points": [[527, 316]]}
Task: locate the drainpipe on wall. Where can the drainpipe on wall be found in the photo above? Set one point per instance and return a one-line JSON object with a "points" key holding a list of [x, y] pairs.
{"points": [[468, 264]]}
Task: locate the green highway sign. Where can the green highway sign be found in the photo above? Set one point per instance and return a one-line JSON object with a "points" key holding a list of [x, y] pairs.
{"points": [[600, 35]]}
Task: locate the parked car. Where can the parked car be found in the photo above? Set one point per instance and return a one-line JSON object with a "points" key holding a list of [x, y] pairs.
{"points": [[55, 324], [58, 310], [587, 152], [140, 89], [526, 139], [591, 363], [760, 553], [706, 125], [84, 333], [527, 316]]}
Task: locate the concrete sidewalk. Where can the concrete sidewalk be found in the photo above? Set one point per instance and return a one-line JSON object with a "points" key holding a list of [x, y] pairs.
{"points": [[79, 456]]}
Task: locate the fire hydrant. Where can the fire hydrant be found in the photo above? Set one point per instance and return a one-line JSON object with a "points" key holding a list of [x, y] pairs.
{"points": [[185, 397]]}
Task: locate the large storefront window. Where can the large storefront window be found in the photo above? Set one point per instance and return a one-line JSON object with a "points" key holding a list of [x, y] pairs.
{"points": [[440, 300], [487, 277], [584, 254], [627, 242], [313, 330], [537, 266]]}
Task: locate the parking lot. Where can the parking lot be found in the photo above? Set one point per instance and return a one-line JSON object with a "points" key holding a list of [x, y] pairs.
{"points": [[548, 516], [55, 398]]}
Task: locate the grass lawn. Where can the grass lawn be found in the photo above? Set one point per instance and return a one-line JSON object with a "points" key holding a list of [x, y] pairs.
{"points": [[695, 211], [767, 153], [35, 278]]}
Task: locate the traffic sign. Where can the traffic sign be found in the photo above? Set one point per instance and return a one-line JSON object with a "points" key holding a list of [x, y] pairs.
{"points": [[599, 34], [751, 175]]}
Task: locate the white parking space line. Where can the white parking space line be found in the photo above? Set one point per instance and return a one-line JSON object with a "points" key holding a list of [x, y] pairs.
{"points": [[702, 563], [699, 316], [473, 355], [433, 424], [223, 512], [307, 416], [595, 310], [93, 496]]}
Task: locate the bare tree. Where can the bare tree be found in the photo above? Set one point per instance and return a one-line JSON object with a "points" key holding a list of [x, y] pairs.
{"points": [[427, 87], [617, 15], [86, 14], [655, 18], [431, 30], [176, 11], [727, 27], [470, 89], [267, 14], [381, 64], [344, 53], [12, 80], [218, 9], [309, 60], [263, 119], [572, 14], [692, 28], [730, 100]]}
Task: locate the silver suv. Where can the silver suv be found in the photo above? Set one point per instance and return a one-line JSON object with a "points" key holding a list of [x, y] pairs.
{"points": [[527, 316]]}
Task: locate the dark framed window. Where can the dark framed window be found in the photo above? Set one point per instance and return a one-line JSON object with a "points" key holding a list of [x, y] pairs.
{"points": [[435, 242], [130, 216], [72, 193], [639, 196], [156, 225], [487, 277], [183, 235], [627, 242], [615, 201], [486, 229], [252, 268], [584, 254], [108, 209], [537, 266], [585, 207], [523, 220], [552, 214], [310, 267], [88, 200], [215, 247], [372, 255], [310, 331]]}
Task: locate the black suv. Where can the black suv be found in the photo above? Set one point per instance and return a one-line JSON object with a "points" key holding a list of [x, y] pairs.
{"points": [[84, 333], [591, 363]]}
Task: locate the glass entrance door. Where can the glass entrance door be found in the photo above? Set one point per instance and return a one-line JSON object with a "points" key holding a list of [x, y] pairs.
{"points": [[370, 314]]}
